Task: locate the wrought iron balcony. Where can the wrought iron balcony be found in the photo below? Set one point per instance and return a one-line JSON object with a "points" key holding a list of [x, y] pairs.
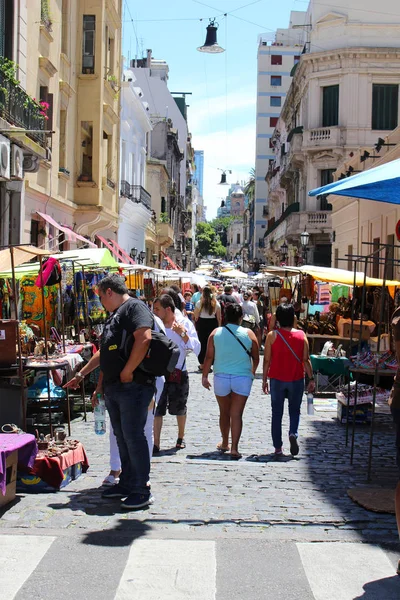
{"points": [[139, 194], [18, 109]]}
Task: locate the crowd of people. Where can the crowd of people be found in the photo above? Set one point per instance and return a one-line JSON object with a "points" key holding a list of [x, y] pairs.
{"points": [[226, 328]]}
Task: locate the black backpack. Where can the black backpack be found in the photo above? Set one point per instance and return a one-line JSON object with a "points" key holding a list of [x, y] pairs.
{"points": [[162, 355]]}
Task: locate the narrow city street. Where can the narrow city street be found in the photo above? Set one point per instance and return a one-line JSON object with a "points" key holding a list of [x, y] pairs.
{"points": [[255, 528]]}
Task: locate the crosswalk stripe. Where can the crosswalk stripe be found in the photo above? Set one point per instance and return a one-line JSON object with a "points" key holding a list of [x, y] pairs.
{"points": [[169, 569], [19, 557], [348, 571]]}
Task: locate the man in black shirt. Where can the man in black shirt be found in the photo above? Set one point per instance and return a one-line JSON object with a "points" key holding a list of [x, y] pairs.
{"points": [[225, 299], [127, 390]]}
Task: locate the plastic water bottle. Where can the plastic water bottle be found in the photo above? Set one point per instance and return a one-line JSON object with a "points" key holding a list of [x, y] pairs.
{"points": [[310, 404], [100, 416]]}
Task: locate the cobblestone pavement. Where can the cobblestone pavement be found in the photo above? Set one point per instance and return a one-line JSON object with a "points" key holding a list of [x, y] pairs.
{"points": [[302, 498]]}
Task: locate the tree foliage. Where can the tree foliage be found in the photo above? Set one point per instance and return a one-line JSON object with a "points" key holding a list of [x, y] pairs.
{"points": [[209, 241]]}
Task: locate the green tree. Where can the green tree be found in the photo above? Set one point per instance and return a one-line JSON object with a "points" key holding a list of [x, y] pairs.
{"points": [[221, 228], [250, 187], [209, 241]]}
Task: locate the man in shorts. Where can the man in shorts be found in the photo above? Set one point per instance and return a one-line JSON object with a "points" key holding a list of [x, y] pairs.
{"points": [[394, 403], [176, 388]]}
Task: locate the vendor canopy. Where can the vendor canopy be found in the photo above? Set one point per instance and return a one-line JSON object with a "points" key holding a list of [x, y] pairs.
{"points": [[380, 183], [22, 254], [331, 275], [87, 257]]}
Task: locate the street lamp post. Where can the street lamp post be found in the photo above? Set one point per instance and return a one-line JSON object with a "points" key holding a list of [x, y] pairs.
{"points": [[184, 260], [284, 251], [133, 253], [154, 258], [304, 239]]}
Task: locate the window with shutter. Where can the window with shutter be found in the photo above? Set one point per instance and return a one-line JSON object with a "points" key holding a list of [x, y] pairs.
{"points": [[385, 106], [330, 106]]}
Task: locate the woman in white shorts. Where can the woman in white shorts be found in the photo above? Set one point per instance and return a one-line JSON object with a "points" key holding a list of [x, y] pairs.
{"points": [[235, 354]]}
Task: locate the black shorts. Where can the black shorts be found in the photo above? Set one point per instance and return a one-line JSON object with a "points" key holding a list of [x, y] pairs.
{"points": [[174, 397], [396, 419]]}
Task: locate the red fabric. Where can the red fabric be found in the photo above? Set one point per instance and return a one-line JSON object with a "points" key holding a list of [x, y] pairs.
{"points": [[45, 273], [50, 469], [284, 366]]}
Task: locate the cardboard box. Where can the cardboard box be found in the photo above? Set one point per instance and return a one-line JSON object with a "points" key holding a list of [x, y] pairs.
{"points": [[363, 414], [366, 334], [11, 479], [8, 343]]}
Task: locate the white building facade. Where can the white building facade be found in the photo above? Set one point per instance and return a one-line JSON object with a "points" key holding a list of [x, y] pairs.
{"points": [[344, 96], [135, 201], [276, 57]]}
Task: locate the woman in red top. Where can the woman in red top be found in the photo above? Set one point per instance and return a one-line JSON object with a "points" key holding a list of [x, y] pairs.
{"points": [[286, 358]]}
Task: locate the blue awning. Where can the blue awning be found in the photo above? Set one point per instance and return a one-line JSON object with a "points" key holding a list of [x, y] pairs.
{"points": [[380, 183]]}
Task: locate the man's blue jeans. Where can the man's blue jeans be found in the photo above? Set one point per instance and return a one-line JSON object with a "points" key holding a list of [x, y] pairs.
{"points": [[293, 390], [127, 405]]}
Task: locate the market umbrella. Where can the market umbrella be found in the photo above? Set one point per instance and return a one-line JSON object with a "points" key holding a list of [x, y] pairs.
{"points": [[234, 274], [380, 183]]}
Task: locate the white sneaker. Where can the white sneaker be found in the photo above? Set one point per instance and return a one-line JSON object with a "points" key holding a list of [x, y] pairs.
{"points": [[110, 480]]}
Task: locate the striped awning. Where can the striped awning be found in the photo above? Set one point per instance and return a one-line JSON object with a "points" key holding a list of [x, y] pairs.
{"points": [[170, 262]]}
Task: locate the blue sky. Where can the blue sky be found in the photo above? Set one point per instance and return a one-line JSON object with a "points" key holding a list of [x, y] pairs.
{"points": [[222, 112]]}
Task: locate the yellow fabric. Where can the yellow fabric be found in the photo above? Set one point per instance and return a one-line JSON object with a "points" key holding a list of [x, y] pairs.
{"points": [[332, 275]]}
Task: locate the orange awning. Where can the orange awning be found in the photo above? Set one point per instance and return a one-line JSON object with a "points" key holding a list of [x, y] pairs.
{"points": [[126, 256]]}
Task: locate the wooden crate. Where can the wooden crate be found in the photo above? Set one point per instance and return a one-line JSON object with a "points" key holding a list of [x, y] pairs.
{"points": [[11, 478]]}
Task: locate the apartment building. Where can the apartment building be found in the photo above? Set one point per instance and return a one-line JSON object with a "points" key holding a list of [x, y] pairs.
{"points": [[344, 96], [68, 65], [276, 57]]}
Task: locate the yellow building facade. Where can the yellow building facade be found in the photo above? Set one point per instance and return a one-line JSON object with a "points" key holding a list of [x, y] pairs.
{"points": [[73, 66]]}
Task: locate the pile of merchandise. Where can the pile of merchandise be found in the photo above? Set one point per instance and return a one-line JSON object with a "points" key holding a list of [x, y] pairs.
{"points": [[368, 360], [364, 394]]}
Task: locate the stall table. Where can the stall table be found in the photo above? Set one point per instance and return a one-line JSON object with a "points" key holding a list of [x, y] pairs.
{"points": [[52, 473], [333, 367]]}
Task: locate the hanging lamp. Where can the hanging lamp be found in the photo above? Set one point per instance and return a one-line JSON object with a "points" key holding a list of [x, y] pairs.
{"points": [[211, 45]]}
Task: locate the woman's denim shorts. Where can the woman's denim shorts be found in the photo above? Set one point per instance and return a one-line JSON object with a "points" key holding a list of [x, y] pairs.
{"points": [[225, 384]]}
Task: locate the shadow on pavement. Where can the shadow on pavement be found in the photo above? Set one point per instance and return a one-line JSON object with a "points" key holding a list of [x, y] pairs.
{"points": [[123, 534], [90, 501], [330, 473], [213, 455], [266, 458], [387, 588]]}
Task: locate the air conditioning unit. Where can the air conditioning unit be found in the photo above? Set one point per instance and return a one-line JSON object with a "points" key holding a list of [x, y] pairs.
{"points": [[17, 161], [4, 157]]}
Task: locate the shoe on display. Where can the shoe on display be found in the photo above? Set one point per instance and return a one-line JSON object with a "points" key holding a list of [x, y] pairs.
{"points": [[135, 501], [294, 445], [116, 491]]}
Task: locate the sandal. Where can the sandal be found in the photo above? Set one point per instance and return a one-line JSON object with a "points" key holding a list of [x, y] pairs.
{"points": [[180, 444], [222, 449], [235, 456]]}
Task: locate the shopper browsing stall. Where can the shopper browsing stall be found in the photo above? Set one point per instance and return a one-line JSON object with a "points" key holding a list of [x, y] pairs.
{"points": [[128, 391]]}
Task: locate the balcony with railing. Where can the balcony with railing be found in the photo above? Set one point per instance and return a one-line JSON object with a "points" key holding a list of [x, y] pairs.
{"points": [[20, 110], [315, 222], [137, 193], [323, 137]]}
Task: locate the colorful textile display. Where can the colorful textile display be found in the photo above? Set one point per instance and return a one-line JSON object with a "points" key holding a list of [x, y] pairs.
{"points": [[339, 291], [5, 295], [95, 310], [30, 303]]}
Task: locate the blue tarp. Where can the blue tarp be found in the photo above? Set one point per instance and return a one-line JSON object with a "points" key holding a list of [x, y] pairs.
{"points": [[380, 183]]}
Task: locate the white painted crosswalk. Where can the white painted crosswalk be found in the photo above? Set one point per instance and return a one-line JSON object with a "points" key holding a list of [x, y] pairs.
{"points": [[185, 569]]}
